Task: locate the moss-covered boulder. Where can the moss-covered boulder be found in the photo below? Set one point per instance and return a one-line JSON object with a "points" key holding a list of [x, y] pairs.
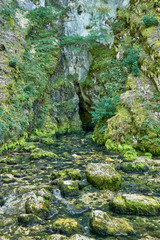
{"points": [[69, 188], [67, 226], [74, 174], [103, 224], [28, 219], [135, 204], [38, 153], [45, 193], [56, 237], [39, 206], [134, 167], [130, 156], [103, 176], [80, 237]]}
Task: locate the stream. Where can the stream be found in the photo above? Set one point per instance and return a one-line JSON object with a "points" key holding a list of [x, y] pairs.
{"points": [[21, 176]]}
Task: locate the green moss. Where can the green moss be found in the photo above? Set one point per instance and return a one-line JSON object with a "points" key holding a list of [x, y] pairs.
{"points": [[130, 156], [135, 204], [103, 224], [39, 154], [103, 176], [67, 226]]}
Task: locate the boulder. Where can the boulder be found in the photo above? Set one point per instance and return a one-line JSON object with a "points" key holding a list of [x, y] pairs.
{"points": [[67, 226], [103, 224], [56, 237], [69, 188], [103, 176], [80, 237], [28, 219], [39, 206], [135, 204], [134, 167]]}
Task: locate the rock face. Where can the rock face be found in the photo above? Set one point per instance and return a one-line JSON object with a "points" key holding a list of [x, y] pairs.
{"points": [[29, 5], [102, 223], [103, 176], [135, 204], [67, 226]]}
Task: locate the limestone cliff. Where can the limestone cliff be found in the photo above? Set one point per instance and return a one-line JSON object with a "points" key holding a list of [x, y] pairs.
{"points": [[59, 58]]}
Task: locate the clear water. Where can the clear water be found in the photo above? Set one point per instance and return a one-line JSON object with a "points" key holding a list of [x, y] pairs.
{"points": [[30, 175]]}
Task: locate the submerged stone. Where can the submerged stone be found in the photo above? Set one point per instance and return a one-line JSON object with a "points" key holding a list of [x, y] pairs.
{"points": [[80, 237], [38, 153], [103, 176], [40, 207], [69, 188], [28, 219], [67, 226], [135, 204], [103, 224], [56, 237], [134, 167]]}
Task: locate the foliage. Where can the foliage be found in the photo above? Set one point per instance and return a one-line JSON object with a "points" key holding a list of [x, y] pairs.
{"points": [[150, 20], [7, 12], [13, 63], [131, 60], [104, 108]]}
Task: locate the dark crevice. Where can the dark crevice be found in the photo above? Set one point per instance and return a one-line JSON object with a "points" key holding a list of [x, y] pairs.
{"points": [[84, 112]]}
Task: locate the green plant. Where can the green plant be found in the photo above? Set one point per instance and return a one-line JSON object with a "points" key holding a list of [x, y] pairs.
{"points": [[104, 108], [150, 20], [131, 58], [13, 63]]}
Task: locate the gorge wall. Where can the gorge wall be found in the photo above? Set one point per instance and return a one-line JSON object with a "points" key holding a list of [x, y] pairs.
{"points": [[61, 58]]}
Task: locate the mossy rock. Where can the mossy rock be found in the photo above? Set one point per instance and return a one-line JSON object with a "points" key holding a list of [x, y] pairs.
{"points": [[39, 154], [74, 174], [103, 176], [29, 147], [45, 194], [130, 156], [7, 221], [69, 188], [56, 237], [39, 206], [28, 219], [47, 141], [80, 237], [67, 226], [103, 224], [135, 204], [134, 167]]}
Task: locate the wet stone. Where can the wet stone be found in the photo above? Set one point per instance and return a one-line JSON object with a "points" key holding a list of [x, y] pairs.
{"points": [[67, 226], [134, 167], [103, 224], [135, 204], [40, 207], [69, 188], [103, 176], [80, 237], [28, 219], [56, 237]]}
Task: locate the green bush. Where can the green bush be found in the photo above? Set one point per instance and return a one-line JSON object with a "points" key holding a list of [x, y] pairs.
{"points": [[13, 63], [104, 108], [150, 20], [131, 60]]}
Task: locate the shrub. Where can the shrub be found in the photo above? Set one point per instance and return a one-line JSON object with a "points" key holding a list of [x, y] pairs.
{"points": [[150, 20], [13, 63], [131, 60], [104, 108]]}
